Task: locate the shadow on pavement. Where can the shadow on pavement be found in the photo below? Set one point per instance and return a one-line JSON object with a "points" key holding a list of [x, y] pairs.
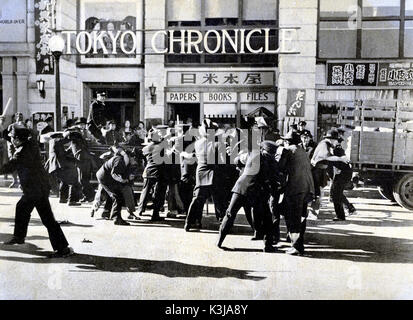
{"points": [[168, 268]]}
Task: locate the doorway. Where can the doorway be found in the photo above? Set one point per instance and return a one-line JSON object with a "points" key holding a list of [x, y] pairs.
{"points": [[122, 101], [186, 112]]}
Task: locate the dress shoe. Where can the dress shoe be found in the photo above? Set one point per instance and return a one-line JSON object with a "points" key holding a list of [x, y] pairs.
{"points": [[171, 214], [352, 212], [74, 204], [157, 218], [338, 219], [269, 249], [294, 252], [121, 222], [187, 227], [66, 252], [92, 213], [133, 217], [219, 242], [106, 215], [13, 185], [14, 240], [257, 237]]}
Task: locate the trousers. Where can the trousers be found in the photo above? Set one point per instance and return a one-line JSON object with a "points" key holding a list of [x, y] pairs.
{"points": [[24, 209]]}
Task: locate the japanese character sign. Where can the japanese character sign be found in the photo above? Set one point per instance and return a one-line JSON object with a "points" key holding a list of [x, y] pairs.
{"points": [[295, 102]]}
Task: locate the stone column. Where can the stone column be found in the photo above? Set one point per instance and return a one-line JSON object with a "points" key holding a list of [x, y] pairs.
{"points": [[22, 76], [8, 86], [154, 64], [298, 71]]}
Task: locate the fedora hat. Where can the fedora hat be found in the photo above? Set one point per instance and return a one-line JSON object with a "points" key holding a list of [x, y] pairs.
{"points": [[292, 137], [332, 134]]}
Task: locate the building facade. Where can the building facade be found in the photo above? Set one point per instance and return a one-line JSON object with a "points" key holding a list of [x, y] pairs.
{"points": [[354, 49]]}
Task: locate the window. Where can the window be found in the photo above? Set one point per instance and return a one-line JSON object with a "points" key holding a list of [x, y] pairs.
{"points": [[336, 39], [380, 39], [218, 15], [375, 29]]}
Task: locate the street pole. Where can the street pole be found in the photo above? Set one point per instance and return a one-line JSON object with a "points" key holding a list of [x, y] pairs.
{"points": [[58, 113]]}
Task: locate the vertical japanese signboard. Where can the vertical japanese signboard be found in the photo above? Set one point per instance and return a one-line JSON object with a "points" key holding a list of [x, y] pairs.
{"points": [[44, 22], [295, 102]]}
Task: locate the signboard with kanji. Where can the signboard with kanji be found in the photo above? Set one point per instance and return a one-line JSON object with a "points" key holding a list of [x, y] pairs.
{"points": [[221, 78], [395, 74], [295, 102], [352, 74]]}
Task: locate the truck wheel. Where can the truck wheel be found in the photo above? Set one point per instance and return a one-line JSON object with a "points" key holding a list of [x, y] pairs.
{"points": [[386, 191], [403, 191]]}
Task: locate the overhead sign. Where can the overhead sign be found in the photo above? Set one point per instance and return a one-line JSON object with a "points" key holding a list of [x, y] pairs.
{"points": [[13, 21], [221, 78], [258, 97], [220, 97], [182, 97], [395, 74], [352, 74]]}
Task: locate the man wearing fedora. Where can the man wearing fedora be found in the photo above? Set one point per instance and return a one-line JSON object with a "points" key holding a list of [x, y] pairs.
{"points": [[299, 191], [35, 184], [208, 183], [154, 176], [324, 149]]}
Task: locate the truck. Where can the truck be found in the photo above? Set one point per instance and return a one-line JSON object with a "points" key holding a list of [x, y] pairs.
{"points": [[381, 146]]}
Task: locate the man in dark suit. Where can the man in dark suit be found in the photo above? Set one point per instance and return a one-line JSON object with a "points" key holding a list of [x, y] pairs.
{"points": [[98, 116], [208, 183], [253, 188], [111, 136], [49, 126], [154, 173], [301, 128], [84, 163], [299, 191], [35, 184], [113, 178], [62, 164]]}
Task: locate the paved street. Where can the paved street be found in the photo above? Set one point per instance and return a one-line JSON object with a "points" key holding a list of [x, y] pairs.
{"points": [[368, 256]]}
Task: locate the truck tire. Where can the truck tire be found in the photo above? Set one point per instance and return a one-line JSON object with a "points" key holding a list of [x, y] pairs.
{"points": [[386, 191], [403, 191]]}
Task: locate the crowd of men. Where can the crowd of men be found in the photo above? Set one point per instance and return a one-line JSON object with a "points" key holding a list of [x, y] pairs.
{"points": [[255, 168]]}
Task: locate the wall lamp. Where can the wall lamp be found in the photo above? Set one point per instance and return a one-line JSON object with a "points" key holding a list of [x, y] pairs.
{"points": [[40, 86], [152, 90]]}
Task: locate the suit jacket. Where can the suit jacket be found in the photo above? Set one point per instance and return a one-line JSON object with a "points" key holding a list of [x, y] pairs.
{"points": [[27, 162], [298, 169], [97, 114], [112, 172], [154, 164], [58, 157], [207, 158]]}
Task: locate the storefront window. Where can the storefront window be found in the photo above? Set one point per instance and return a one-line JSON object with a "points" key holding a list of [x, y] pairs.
{"points": [[100, 16], [336, 39], [229, 14], [380, 39]]}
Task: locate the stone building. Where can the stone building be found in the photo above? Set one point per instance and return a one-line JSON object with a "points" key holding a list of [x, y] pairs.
{"points": [[342, 52]]}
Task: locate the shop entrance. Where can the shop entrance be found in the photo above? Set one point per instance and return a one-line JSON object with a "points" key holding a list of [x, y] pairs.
{"points": [[122, 100], [187, 112]]}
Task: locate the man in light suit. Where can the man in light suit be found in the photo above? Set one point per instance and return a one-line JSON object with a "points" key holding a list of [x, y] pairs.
{"points": [[207, 181]]}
